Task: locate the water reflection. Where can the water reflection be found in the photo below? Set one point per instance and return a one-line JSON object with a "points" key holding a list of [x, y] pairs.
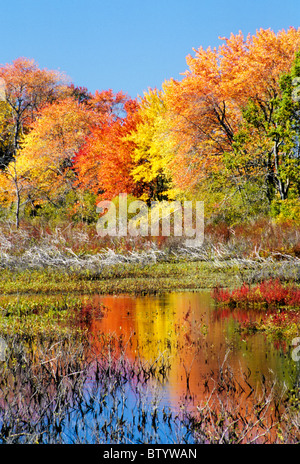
{"points": [[114, 387], [187, 329]]}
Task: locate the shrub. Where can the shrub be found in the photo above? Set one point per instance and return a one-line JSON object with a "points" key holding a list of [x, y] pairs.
{"points": [[269, 293]]}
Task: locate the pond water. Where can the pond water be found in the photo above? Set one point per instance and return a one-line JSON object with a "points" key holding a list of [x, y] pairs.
{"points": [[196, 337], [165, 362]]}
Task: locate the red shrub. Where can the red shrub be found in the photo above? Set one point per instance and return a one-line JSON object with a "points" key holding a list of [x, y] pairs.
{"points": [[271, 292]]}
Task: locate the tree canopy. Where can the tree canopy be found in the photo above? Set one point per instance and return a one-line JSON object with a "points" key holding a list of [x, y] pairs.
{"points": [[227, 132]]}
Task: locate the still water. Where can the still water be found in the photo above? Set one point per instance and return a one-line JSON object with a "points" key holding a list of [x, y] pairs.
{"points": [[144, 387], [196, 337]]}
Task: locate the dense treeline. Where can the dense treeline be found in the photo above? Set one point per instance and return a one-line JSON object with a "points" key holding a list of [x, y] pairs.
{"points": [[226, 133]]}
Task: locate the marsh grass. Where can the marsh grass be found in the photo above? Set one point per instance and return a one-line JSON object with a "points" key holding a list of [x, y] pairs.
{"points": [[277, 303], [72, 258], [60, 391], [121, 278], [46, 317], [144, 278], [56, 388], [266, 294]]}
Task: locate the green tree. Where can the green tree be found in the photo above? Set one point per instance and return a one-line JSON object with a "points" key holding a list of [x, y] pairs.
{"points": [[267, 144]]}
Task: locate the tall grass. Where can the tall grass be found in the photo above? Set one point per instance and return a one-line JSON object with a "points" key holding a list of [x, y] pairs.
{"points": [[59, 391], [254, 252]]}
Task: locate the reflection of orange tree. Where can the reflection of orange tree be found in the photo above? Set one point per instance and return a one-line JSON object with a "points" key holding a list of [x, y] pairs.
{"points": [[117, 324], [191, 336], [155, 329]]}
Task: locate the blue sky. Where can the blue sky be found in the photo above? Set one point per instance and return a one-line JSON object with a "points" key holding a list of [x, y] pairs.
{"points": [[128, 44]]}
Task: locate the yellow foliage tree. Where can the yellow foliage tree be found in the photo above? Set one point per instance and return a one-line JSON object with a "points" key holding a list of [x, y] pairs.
{"points": [[151, 154], [48, 150], [27, 89], [42, 169]]}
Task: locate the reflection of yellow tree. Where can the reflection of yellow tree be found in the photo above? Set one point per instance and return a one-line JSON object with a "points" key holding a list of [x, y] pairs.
{"points": [[195, 337], [155, 327], [174, 325]]}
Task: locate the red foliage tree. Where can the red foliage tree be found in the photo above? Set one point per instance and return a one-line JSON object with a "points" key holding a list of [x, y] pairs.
{"points": [[104, 163]]}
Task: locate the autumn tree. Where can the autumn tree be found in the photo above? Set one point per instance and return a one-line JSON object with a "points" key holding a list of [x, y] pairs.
{"points": [[6, 135], [104, 163], [27, 89], [208, 110], [277, 128], [109, 104], [151, 154], [46, 158]]}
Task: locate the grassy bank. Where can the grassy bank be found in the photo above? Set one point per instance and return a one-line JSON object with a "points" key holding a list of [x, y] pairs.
{"points": [[141, 278], [71, 258], [116, 279], [136, 278]]}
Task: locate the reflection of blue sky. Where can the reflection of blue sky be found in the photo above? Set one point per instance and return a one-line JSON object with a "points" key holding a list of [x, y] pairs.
{"points": [[126, 414], [122, 409]]}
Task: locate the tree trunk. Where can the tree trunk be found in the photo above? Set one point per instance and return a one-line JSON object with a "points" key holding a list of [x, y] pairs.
{"points": [[18, 210], [18, 196], [282, 187]]}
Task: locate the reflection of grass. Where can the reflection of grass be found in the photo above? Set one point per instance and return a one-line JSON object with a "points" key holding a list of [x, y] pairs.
{"points": [[282, 325], [62, 392]]}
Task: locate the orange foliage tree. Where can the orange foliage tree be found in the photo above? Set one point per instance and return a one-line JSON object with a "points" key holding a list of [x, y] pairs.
{"points": [[27, 89], [206, 109]]}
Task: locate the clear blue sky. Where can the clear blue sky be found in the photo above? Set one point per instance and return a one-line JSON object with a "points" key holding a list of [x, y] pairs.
{"points": [[129, 44]]}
